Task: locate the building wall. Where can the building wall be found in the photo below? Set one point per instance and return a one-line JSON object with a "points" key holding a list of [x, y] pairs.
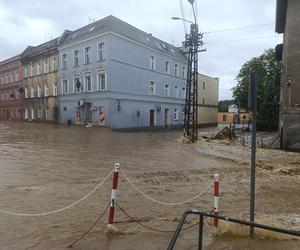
{"points": [[127, 99], [208, 95], [41, 87], [11, 95], [290, 84], [225, 118]]}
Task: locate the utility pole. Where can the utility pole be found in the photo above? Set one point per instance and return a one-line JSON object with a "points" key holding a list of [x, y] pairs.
{"points": [[192, 42]]}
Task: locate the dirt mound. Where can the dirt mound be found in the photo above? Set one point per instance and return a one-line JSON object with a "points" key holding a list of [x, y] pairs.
{"points": [[224, 134], [265, 164]]}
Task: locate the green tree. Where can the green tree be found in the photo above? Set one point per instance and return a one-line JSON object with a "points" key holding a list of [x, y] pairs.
{"points": [[224, 104], [268, 88]]}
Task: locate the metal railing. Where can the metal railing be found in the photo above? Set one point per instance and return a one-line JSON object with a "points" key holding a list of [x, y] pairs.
{"points": [[226, 218]]}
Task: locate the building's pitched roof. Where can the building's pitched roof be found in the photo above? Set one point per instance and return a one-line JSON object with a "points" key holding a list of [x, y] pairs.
{"points": [[281, 12], [115, 25], [31, 51], [11, 59]]}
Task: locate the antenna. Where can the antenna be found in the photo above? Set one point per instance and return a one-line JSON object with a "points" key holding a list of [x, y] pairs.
{"points": [[183, 17]]}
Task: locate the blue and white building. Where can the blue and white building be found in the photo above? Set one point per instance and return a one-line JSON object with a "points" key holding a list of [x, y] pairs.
{"points": [[116, 75]]}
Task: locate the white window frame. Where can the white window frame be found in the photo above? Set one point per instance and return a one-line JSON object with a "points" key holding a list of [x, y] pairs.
{"points": [[26, 93], [100, 82], [167, 65], [183, 72], [167, 90], [182, 114], [46, 113], [54, 89], [76, 58], [183, 92], [54, 63], [176, 70], [100, 52], [64, 61], [175, 114], [38, 91], [11, 77], [152, 88], [26, 114], [153, 62], [31, 70], [45, 67], [74, 84], [46, 90], [85, 83], [65, 87], [39, 114], [176, 91], [38, 68], [32, 114], [32, 94], [87, 55]]}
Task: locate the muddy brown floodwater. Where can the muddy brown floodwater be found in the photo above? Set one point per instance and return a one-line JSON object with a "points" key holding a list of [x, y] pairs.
{"points": [[47, 167]]}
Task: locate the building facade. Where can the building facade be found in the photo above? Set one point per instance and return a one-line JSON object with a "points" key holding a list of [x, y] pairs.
{"points": [[287, 22], [11, 89], [115, 75], [40, 65], [208, 96]]}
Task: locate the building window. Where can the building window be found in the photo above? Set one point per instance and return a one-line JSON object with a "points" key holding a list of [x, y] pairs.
{"points": [[183, 93], [88, 83], [64, 61], [244, 117], [78, 86], [203, 101], [100, 51], [32, 113], [54, 89], [65, 86], [11, 77], [47, 113], [26, 93], [224, 118], [176, 69], [175, 115], [31, 70], [102, 81], [152, 89], [167, 90], [25, 72], [38, 69], [203, 85], [152, 63], [87, 58], [183, 72], [182, 115], [26, 113], [54, 64], [176, 93], [45, 67], [76, 58], [46, 90], [32, 92], [38, 91], [39, 114], [167, 67]]}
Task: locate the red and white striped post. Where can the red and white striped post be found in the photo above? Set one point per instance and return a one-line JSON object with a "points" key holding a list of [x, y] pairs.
{"points": [[216, 198], [113, 194]]}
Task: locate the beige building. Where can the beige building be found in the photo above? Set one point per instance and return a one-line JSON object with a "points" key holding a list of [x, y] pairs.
{"points": [[208, 95], [40, 65]]}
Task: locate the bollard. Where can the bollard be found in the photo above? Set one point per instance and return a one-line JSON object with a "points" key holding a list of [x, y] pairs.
{"points": [[113, 193], [216, 198]]}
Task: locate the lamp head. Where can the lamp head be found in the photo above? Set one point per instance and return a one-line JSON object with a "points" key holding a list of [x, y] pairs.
{"points": [[191, 1]]}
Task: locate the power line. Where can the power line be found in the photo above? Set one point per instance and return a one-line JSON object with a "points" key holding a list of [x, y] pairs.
{"points": [[239, 28], [244, 39]]}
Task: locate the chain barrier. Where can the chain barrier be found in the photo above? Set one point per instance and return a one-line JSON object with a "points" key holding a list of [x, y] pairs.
{"points": [[132, 219], [165, 203], [90, 228], [61, 209]]}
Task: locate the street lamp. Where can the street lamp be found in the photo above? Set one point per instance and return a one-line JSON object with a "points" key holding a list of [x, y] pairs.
{"points": [[178, 18]]}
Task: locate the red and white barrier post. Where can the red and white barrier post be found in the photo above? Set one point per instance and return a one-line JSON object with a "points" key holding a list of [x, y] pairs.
{"points": [[216, 198], [113, 194]]}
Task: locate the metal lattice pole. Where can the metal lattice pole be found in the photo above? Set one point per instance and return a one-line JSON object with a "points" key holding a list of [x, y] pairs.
{"points": [[193, 41]]}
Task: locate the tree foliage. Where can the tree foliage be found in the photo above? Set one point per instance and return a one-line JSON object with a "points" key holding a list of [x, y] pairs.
{"points": [[224, 104], [268, 87]]}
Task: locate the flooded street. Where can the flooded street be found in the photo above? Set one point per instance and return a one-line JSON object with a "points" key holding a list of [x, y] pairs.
{"points": [[47, 167]]}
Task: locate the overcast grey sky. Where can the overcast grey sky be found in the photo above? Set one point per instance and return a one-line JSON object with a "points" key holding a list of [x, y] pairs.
{"points": [[31, 22]]}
